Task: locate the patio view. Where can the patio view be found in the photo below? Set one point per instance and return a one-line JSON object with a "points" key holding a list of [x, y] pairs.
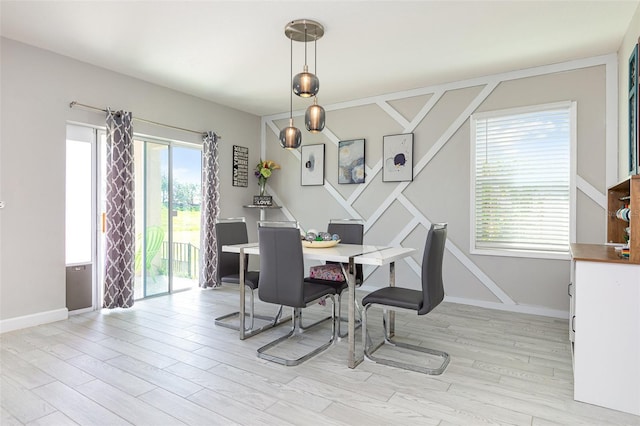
{"points": [[168, 188]]}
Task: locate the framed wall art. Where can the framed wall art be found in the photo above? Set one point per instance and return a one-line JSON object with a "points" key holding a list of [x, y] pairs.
{"points": [[351, 161], [240, 166], [397, 157], [312, 165]]}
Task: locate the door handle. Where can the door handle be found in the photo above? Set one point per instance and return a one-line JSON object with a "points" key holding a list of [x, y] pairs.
{"points": [[569, 289], [573, 323]]}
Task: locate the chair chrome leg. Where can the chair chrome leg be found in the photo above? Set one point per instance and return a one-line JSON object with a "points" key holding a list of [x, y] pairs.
{"points": [[307, 327], [320, 321], [295, 329], [250, 331], [369, 349], [339, 319]]}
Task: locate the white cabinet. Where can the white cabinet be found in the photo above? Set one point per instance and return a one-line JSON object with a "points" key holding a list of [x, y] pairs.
{"points": [[607, 334]]}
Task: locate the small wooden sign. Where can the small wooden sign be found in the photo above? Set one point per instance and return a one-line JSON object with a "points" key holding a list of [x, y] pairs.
{"points": [[262, 200]]}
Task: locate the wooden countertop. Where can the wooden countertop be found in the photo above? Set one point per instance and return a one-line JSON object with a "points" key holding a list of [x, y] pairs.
{"points": [[596, 253]]}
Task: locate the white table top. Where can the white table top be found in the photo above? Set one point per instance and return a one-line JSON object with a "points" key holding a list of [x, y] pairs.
{"points": [[362, 254]]}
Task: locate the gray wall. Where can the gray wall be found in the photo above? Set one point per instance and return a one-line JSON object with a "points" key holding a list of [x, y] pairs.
{"points": [[37, 87], [440, 192]]}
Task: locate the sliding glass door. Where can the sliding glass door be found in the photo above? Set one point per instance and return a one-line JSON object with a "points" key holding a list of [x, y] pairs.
{"points": [[168, 187]]}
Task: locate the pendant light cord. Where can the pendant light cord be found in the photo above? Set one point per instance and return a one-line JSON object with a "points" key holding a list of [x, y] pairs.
{"points": [[290, 78], [305, 46]]}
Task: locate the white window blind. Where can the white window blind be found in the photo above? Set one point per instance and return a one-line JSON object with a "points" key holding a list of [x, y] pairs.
{"points": [[522, 180]]}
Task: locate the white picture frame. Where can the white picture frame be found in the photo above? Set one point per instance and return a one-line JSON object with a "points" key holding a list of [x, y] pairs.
{"points": [[312, 165]]}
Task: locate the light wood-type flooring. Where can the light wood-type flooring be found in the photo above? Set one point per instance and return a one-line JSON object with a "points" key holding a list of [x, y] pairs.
{"points": [[164, 362]]}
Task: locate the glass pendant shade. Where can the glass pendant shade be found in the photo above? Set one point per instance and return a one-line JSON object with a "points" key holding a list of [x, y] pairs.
{"points": [[306, 84], [314, 117], [290, 137]]}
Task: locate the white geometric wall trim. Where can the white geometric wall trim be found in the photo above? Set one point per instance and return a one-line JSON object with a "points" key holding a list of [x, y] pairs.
{"points": [[424, 111], [455, 125], [393, 113], [437, 92], [475, 270], [346, 205], [591, 192], [327, 133], [377, 214]]}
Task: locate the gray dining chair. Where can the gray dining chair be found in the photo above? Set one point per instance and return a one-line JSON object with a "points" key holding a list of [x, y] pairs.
{"points": [[282, 282], [234, 231], [351, 231], [421, 301]]}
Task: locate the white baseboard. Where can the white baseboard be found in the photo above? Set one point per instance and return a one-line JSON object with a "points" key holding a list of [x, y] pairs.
{"points": [[81, 311], [32, 320], [523, 309]]}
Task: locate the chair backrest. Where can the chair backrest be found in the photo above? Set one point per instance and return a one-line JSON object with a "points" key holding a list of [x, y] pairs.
{"points": [[278, 223], [230, 231], [281, 266], [351, 231], [432, 285]]}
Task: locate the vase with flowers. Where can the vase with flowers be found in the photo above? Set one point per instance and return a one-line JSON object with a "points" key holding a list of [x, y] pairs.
{"points": [[263, 171]]}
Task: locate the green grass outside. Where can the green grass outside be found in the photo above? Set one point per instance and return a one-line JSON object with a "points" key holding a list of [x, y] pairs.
{"points": [[186, 226]]}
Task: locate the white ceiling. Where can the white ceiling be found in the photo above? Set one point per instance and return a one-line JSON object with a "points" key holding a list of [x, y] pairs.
{"points": [[235, 52]]}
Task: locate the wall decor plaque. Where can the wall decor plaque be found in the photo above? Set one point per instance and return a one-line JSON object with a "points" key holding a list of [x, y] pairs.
{"points": [[240, 166]]}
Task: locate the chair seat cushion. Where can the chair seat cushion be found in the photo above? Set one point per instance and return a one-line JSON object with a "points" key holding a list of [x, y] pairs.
{"points": [[395, 296], [313, 291], [339, 286], [251, 279]]}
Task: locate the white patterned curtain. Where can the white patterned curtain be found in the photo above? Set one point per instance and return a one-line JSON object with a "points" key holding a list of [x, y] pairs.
{"points": [[119, 237], [209, 211]]}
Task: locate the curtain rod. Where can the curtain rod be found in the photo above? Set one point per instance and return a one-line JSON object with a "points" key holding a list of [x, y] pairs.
{"points": [[76, 103]]}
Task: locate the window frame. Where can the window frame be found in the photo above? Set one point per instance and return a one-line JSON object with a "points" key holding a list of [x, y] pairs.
{"points": [[571, 106]]}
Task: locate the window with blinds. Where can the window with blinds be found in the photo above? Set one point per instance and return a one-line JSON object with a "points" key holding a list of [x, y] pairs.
{"points": [[521, 176]]}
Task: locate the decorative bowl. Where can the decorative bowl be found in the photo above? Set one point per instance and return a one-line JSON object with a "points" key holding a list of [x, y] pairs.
{"points": [[320, 244]]}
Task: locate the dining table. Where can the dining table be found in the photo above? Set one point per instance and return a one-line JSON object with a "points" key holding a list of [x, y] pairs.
{"points": [[348, 255]]}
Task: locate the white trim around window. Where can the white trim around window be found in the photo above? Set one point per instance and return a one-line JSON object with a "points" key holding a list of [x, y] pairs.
{"points": [[497, 139]]}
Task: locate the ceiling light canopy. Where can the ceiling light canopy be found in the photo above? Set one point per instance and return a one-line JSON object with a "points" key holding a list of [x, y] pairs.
{"points": [[304, 84]]}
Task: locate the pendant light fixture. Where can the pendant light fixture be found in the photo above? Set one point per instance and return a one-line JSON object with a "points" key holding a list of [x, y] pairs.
{"points": [[304, 84], [314, 117], [290, 137]]}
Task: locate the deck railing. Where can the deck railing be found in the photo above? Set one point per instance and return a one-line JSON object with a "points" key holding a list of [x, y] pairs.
{"points": [[185, 259]]}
